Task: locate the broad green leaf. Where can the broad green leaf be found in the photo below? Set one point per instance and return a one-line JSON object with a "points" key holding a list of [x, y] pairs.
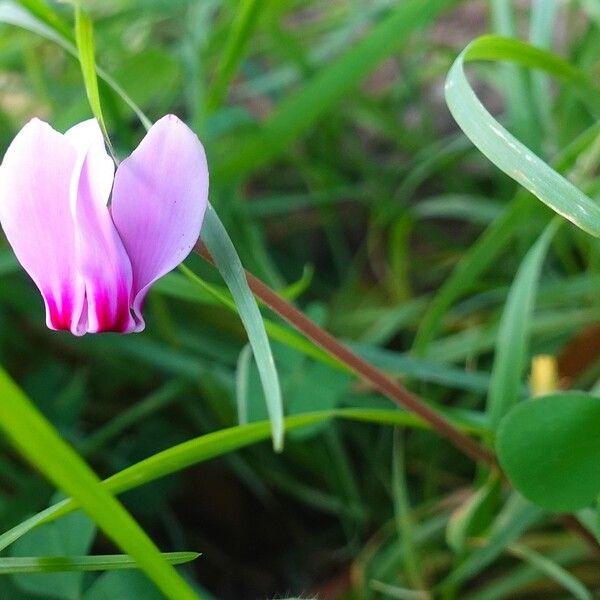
{"points": [[42, 446], [513, 333], [298, 379], [549, 446]]}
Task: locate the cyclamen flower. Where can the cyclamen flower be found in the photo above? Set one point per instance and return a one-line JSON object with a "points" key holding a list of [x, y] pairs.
{"points": [[93, 262]]}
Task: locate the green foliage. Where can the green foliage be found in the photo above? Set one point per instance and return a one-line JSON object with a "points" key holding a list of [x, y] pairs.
{"points": [[547, 446], [340, 179], [84, 36], [39, 443], [513, 331]]}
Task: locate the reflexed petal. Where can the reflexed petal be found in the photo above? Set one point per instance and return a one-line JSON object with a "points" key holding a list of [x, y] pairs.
{"points": [[35, 186], [159, 199], [101, 258]]}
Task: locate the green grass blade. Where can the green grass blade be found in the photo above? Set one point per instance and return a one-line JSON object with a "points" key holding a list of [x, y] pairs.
{"points": [[508, 153], [12, 13], [541, 29], [230, 267], [513, 334], [514, 78], [483, 252], [107, 562], [42, 446], [517, 518], [156, 401], [553, 570], [479, 257], [242, 374], [232, 53], [497, 48], [84, 36], [42, 11], [219, 244], [209, 292], [399, 593], [220, 443], [509, 583], [403, 513], [301, 109]]}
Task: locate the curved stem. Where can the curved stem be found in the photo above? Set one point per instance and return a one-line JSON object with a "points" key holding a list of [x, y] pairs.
{"points": [[374, 376]]}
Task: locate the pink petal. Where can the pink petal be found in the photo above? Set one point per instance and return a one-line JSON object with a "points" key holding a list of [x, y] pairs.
{"points": [[35, 187], [160, 195], [88, 141], [101, 258]]}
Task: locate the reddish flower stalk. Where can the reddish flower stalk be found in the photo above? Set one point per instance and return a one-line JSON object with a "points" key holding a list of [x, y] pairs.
{"points": [[387, 386], [367, 372]]}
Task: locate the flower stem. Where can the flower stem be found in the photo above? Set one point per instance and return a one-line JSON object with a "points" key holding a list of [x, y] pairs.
{"points": [[370, 374]]}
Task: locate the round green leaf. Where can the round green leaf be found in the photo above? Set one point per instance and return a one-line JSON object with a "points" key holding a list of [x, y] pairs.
{"points": [[549, 448]]}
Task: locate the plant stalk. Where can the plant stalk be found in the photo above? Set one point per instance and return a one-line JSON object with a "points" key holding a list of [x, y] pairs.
{"points": [[367, 372]]}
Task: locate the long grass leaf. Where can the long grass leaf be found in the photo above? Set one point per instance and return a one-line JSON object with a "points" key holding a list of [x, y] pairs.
{"points": [[481, 255], [12, 13], [232, 52], [84, 35], [513, 332], [42, 446], [514, 77], [553, 570], [223, 442], [230, 267], [301, 109], [508, 153], [541, 29], [57, 564], [519, 516]]}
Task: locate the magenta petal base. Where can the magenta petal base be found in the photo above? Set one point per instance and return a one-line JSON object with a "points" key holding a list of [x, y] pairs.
{"points": [[94, 262]]}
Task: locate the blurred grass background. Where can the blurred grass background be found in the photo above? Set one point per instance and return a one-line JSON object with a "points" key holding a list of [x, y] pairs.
{"points": [[364, 210]]}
